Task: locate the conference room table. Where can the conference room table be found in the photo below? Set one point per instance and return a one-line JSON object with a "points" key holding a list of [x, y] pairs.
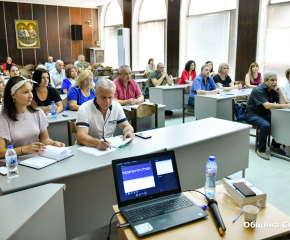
{"points": [[217, 106], [90, 189], [141, 82], [171, 96]]}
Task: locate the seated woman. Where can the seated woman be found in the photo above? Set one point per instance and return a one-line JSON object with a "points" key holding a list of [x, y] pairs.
{"points": [[14, 71], [2, 87], [82, 91], [222, 78], [43, 95], [71, 72], [188, 74], [21, 125], [8, 64], [212, 73], [253, 77], [150, 66]]}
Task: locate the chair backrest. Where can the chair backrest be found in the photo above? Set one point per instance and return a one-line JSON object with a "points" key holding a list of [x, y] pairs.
{"points": [[64, 102], [142, 71], [25, 73], [29, 67], [147, 75], [186, 90], [176, 80], [71, 128], [133, 76], [146, 110]]}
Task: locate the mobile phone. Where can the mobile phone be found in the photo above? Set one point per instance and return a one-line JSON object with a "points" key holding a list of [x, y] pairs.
{"points": [[244, 189], [64, 115], [143, 135], [3, 171]]}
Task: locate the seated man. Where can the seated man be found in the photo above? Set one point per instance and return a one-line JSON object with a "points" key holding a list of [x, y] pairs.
{"points": [[127, 90], [285, 87], [82, 65], [202, 84], [97, 119], [261, 100], [76, 62], [50, 64], [156, 78], [58, 74]]}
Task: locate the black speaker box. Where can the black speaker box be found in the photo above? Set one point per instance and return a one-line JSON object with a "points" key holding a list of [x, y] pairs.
{"points": [[77, 32]]}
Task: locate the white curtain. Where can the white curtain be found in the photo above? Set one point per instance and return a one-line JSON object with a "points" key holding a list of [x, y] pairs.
{"points": [[210, 6], [152, 10], [111, 47], [208, 39], [114, 14], [151, 43]]}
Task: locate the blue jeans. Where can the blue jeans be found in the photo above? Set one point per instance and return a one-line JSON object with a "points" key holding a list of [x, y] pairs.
{"points": [[191, 102], [147, 92], [264, 124]]}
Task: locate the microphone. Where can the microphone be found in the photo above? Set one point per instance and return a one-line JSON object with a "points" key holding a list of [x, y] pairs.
{"points": [[212, 204]]}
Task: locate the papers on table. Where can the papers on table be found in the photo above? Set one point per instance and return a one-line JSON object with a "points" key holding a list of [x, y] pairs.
{"points": [[95, 151]]}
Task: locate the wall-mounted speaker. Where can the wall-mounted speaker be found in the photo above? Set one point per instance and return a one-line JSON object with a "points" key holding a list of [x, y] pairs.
{"points": [[77, 32]]}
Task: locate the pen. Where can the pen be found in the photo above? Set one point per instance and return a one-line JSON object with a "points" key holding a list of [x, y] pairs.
{"points": [[105, 141], [238, 216], [123, 225]]}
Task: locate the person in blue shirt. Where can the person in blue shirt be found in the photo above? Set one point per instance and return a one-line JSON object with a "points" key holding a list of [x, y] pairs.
{"points": [[202, 84], [81, 92], [50, 64], [79, 57]]}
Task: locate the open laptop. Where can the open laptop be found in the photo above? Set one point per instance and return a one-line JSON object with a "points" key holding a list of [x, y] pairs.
{"points": [[149, 193]]}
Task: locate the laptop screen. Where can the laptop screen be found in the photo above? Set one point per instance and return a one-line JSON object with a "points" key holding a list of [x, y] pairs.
{"points": [[137, 178]]}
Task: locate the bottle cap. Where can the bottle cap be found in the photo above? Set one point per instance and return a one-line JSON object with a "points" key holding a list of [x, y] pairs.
{"points": [[52, 101], [9, 146], [211, 158]]}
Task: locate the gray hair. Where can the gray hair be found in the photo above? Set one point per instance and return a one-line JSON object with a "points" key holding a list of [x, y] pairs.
{"points": [[81, 55], [106, 84], [58, 61], [159, 64], [123, 66], [267, 75]]}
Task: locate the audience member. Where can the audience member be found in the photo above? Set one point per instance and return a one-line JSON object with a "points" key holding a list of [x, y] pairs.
{"points": [[285, 87], [150, 66], [43, 95], [21, 125], [40, 66], [127, 89], [76, 62], [57, 74], [212, 73], [188, 74], [202, 84], [82, 91], [8, 64], [157, 77], [14, 71], [262, 99], [71, 72], [82, 65], [222, 78], [253, 77], [97, 119], [50, 64], [2, 87]]}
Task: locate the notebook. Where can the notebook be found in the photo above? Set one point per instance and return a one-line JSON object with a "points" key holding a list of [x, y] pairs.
{"points": [[49, 156], [149, 193]]}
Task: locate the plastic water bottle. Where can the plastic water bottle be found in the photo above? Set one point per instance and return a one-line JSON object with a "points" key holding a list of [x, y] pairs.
{"points": [[221, 90], [11, 162], [210, 174], [53, 110]]}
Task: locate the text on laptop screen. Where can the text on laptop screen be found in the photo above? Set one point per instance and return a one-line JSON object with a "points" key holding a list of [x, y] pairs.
{"points": [[145, 177]]}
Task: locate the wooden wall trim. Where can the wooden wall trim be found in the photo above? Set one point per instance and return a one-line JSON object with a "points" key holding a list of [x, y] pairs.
{"points": [[3, 35], [127, 19]]}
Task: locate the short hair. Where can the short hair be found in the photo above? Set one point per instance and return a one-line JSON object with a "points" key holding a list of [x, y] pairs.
{"points": [[14, 66], [58, 61], [81, 55], [106, 84], [40, 66], [287, 72], [207, 62], [250, 72], [221, 66], [9, 108], [68, 69], [123, 66], [9, 58], [268, 75], [37, 76], [83, 76], [204, 66], [159, 64], [187, 65], [50, 56], [150, 60]]}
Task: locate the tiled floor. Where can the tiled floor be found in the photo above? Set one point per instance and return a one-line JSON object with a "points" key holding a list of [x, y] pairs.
{"points": [[272, 177]]}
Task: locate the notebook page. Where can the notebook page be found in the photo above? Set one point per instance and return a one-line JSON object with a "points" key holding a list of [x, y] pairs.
{"points": [[53, 152], [95, 151], [37, 162], [117, 141]]}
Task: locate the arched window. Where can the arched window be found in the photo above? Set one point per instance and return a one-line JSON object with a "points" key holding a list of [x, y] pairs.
{"points": [[113, 20], [152, 26]]}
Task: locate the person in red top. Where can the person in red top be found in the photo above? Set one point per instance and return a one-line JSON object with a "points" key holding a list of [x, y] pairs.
{"points": [[188, 74], [127, 90], [8, 64]]}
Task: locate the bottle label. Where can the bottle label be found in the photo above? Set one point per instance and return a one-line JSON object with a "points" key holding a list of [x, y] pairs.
{"points": [[11, 160]]}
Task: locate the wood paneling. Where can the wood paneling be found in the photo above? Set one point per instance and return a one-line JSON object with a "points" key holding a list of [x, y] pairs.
{"points": [[95, 26], [87, 32], [3, 46], [11, 13], [39, 15], [64, 33], [77, 45], [25, 13], [127, 18], [173, 37], [52, 32], [247, 36]]}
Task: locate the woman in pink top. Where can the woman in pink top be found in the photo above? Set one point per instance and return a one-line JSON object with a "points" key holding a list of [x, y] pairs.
{"points": [[253, 77], [188, 74]]}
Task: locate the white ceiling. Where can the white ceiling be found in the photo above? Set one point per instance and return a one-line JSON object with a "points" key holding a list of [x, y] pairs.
{"points": [[69, 3]]}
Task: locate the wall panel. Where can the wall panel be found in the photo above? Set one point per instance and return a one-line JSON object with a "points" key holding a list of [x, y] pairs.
{"points": [[52, 32], [3, 46], [87, 32], [95, 26], [77, 45], [64, 33]]}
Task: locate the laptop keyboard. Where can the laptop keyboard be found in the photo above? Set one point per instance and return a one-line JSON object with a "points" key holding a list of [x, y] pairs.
{"points": [[158, 209]]}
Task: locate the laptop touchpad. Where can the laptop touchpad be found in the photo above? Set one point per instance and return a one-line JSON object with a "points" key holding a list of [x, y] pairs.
{"points": [[161, 222]]}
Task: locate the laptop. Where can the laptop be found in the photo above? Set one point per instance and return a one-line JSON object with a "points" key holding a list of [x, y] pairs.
{"points": [[149, 193]]}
